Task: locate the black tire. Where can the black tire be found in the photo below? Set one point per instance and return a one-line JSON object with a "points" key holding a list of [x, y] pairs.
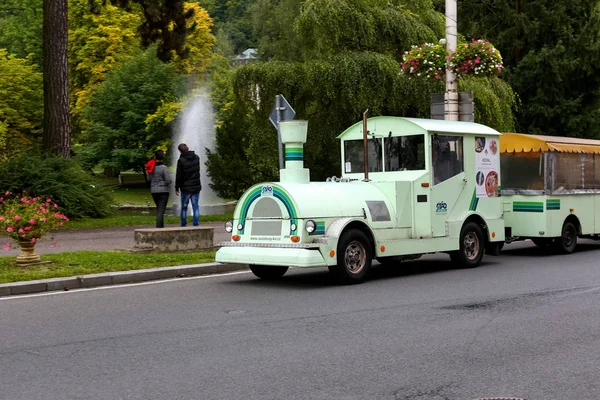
{"points": [[494, 248], [354, 257], [268, 272], [472, 247], [543, 243], [567, 242]]}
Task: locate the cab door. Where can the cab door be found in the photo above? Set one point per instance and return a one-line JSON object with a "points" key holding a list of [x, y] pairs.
{"points": [[448, 179]]}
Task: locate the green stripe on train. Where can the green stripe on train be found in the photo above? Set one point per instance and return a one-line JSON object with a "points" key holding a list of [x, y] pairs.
{"points": [[528, 206], [553, 204]]}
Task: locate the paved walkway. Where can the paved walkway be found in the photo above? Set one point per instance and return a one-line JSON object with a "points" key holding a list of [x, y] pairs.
{"points": [[100, 239]]}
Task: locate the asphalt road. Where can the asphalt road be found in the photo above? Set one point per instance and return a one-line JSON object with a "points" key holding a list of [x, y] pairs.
{"points": [[521, 325]]}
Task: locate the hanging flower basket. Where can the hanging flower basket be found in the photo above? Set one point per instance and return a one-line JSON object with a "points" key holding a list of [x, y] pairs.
{"points": [[429, 61], [26, 220], [477, 57]]}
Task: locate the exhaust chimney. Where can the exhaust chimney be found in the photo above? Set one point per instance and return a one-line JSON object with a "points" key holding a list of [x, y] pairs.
{"points": [[293, 136]]}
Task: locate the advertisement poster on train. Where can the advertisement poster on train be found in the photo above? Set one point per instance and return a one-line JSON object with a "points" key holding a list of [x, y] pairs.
{"points": [[487, 165]]}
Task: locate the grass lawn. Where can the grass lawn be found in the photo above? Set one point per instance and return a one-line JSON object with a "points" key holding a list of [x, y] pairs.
{"points": [[93, 262], [138, 220]]}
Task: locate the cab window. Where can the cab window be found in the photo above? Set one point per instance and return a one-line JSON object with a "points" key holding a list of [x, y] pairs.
{"points": [[447, 157], [354, 156], [405, 153]]}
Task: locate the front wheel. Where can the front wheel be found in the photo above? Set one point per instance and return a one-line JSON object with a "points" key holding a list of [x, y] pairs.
{"points": [[567, 242], [268, 272], [354, 256], [472, 245]]}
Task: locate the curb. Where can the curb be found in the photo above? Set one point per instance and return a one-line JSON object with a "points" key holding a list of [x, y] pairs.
{"points": [[115, 278]]}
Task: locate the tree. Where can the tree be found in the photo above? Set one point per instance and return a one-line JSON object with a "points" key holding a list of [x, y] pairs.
{"points": [[123, 128], [98, 43], [20, 105], [551, 51], [57, 123]]}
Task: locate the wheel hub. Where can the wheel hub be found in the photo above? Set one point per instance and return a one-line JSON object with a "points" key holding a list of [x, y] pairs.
{"points": [[355, 257], [471, 245]]}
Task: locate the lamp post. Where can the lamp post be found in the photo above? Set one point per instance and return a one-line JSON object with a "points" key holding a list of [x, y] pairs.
{"points": [[451, 95]]}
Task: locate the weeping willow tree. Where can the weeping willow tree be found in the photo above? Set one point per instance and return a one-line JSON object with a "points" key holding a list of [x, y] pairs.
{"points": [[351, 52]]}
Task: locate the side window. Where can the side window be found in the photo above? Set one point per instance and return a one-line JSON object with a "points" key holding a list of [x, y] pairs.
{"points": [[447, 157], [354, 156]]}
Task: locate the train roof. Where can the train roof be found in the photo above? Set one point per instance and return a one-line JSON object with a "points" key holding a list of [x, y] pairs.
{"points": [[523, 143], [383, 125]]}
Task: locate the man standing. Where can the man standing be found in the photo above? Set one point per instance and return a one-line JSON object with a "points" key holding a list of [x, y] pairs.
{"points": [[187, 179]]}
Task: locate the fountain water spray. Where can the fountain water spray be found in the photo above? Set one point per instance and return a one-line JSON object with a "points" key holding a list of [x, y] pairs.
{"points": [[196, 128]]}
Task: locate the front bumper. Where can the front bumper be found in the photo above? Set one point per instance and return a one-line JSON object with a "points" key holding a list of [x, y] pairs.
{"points": [[280, 256]]}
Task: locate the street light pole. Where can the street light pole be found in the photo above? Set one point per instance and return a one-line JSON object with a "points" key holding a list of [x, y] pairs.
{"points": [[451, 95]]}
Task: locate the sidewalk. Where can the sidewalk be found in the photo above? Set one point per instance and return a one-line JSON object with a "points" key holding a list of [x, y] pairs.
{"points": [[103, 239]]}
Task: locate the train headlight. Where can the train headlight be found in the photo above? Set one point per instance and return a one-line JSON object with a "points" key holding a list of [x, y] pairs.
{"points": [[229, 226], [293, 227], [310, 226], [240, 227]]}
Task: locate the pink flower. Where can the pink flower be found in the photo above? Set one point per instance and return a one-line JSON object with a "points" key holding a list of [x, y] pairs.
{"points": [[17, 218], [7, 247], [33, 240], [48, 201], [28, 228], [43, 219], [53, 244], [2, 218], [32, 221], [55, 206], [7, 193], [21, 230], [10, 229], [24, 200]]}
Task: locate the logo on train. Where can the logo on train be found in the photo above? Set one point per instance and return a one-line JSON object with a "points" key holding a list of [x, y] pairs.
{"points": [[441, 207], [267, 190]]}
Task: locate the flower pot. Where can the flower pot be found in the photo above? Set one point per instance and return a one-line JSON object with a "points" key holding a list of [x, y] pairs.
{"points": [[27, 255]]}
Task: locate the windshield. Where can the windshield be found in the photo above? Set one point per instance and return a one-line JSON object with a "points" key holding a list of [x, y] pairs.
{"points": [[354, 156]]}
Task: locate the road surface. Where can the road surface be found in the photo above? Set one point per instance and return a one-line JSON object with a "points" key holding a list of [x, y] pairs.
{"points": [[522, 325]]}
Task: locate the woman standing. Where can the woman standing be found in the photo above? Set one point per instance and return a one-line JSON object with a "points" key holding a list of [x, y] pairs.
{"points": [[160, 179]]}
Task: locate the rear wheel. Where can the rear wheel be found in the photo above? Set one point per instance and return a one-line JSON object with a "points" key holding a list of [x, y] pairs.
{"points": [[268, 272], [567, 243], [472, 244], [354, 256]]}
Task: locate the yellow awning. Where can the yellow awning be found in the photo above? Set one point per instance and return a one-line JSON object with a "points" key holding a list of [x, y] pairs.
{"points": [[521, 143]]}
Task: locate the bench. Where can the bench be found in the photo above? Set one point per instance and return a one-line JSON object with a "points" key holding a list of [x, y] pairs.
{"points": [[189, 238]]}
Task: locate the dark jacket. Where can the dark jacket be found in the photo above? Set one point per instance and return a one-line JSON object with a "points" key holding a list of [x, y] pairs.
{"points": [[187, 178]]}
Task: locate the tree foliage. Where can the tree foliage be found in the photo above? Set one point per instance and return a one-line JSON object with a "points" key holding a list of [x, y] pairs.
{"points": [[551, 50], [122, 132], [21, 28], [383, 26], [20, 105]]}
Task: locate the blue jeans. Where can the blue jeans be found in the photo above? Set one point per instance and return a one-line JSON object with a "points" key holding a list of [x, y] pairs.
{"points": [[185, 199]]}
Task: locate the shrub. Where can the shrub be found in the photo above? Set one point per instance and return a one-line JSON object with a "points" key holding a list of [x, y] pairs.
{"points": [[75, 191]]}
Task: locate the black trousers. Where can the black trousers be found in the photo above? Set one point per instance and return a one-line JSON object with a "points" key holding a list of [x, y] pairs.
{"points": [[161, 200]]}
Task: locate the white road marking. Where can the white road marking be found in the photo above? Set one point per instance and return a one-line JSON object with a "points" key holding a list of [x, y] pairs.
{"points": [[119, 286]]}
